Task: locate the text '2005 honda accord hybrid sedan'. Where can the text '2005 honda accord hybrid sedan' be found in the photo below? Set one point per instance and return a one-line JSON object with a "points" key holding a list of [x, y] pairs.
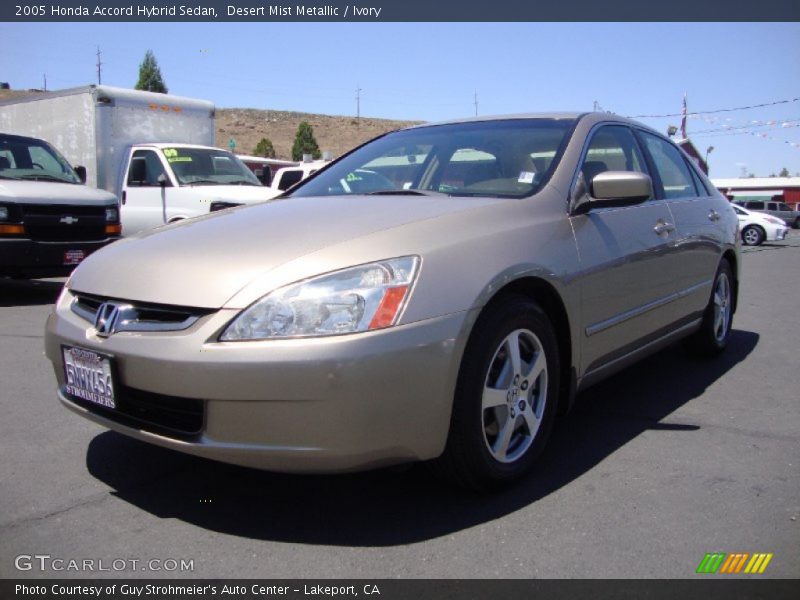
{"points": [[439, 293]]}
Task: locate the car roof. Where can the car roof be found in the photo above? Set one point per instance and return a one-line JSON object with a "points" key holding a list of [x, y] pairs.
{"points": [[20, 138], [591, 117]]}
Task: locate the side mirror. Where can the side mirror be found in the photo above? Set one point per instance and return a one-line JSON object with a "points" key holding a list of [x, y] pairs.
{"points": [[81, 173], [610, 189]]}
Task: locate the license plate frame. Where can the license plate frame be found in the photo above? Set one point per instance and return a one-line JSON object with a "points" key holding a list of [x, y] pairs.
{"points": [[89, 375], [73, 257]]}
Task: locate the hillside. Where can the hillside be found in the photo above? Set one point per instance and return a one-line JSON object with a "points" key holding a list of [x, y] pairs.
{"points": [[248, 125], [335, 133]]}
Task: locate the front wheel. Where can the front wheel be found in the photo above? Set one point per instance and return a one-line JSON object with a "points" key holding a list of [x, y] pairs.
{"points": [[506, 396], [753, 236]]}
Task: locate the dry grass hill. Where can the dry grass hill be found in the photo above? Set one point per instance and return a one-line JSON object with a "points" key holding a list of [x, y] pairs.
{"points": [[248, 125], [335, 133]]}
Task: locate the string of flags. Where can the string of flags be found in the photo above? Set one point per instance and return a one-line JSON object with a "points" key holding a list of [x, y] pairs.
{"points": [[726, 127]]}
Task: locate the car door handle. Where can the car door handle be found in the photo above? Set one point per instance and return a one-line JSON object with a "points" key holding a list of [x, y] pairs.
{"points": [[663, 227], [714, 216]]}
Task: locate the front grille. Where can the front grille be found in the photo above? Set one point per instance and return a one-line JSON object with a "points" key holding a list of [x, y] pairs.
{"points": [[138, 316], [171, 416], [64, 223]]}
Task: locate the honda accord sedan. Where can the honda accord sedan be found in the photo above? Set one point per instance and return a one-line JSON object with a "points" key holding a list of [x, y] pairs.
{"points": [[446, 312]]}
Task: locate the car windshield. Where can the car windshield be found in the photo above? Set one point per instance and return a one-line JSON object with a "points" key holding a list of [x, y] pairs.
{"points": [[32, 159], [506, 158], [208, 166]]}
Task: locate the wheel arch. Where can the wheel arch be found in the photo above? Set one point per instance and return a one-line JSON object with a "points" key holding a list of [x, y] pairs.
{"points": [[545, 294]]}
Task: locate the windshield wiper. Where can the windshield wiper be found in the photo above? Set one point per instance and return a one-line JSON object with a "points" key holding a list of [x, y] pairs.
{"points": [[44, 177], [202, 182], [409, 192], [241, 182], [8, 177]]}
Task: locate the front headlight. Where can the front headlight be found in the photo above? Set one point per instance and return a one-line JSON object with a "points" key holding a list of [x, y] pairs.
{"points": [[362, 298], [112, 215]]}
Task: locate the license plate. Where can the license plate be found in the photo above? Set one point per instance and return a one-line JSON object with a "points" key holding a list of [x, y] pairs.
{"points": [[73, 257], [88, 376]]}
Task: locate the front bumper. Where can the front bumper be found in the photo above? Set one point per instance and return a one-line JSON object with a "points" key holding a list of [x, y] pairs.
{"points": [[30, 258], [778, 234], [331, 404]]}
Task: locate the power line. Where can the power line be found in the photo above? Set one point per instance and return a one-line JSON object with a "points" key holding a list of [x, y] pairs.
{"points": [[719, 110]]}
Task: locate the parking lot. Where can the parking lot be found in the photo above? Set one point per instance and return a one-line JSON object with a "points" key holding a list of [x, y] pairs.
{"points": [[657, 466]]}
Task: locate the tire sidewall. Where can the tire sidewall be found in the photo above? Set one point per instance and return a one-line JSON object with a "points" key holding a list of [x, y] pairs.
{"points": [[724, 268], [758, 231], [508, 316]]}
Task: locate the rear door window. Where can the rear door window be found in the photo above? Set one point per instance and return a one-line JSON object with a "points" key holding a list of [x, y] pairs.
{"points": [[676, 178]]}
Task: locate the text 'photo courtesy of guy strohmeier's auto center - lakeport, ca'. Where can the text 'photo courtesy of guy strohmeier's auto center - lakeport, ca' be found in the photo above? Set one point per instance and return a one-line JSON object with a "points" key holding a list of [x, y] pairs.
{"points": [[359, 314]]}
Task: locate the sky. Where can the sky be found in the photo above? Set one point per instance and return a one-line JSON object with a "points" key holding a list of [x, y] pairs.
{"points": [[435, 71]]}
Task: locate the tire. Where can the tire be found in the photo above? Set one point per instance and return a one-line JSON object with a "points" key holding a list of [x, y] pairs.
{"points": [[506, 396], [752, 235], [796, 224], [712, 337]]}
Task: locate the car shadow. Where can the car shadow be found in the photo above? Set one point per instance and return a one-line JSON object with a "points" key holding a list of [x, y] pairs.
{"points": [[401, 506], [29, 292]]}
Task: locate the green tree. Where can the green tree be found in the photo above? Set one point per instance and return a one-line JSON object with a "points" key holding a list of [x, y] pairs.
{"points": [[150, 78], [784, 172], [304, 143], [264, 148]]}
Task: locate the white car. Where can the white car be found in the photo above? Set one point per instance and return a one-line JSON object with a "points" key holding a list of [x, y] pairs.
{"points": [[757, 228]]}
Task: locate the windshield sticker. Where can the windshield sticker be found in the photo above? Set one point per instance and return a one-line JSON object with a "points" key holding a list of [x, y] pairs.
{"points": [[173, 159], [526, 177]]}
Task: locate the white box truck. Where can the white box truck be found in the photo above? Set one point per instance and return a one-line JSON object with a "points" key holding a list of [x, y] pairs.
{"points": [[155, 152]]}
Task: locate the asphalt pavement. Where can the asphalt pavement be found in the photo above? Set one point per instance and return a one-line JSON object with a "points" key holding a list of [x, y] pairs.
{"points": [[659, 465]]}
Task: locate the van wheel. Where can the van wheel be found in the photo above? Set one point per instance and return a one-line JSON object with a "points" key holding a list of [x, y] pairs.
{"points": [[715, 330], [506, 396], [753, 235]]}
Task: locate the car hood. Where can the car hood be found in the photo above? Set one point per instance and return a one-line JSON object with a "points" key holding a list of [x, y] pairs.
{"points": [[204, 262], [49, 192], [758, 217], [248, 194]]}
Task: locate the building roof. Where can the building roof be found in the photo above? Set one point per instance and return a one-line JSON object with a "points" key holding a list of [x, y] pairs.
{"points": [[758, 183]]}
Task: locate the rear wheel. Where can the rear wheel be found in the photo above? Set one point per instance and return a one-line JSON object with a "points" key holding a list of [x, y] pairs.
{"points": [[505, 398], [713, 335], [753, 235]]}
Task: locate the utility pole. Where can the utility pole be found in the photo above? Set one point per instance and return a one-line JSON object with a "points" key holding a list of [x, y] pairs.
{"points": [[45, 81], [476, 103], [595, 106], [358, 103], [99, 79]]}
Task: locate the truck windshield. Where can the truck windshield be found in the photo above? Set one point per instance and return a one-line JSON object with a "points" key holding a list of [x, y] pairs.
{"points": [[509, 158], [208, 166], [32, 159]]}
